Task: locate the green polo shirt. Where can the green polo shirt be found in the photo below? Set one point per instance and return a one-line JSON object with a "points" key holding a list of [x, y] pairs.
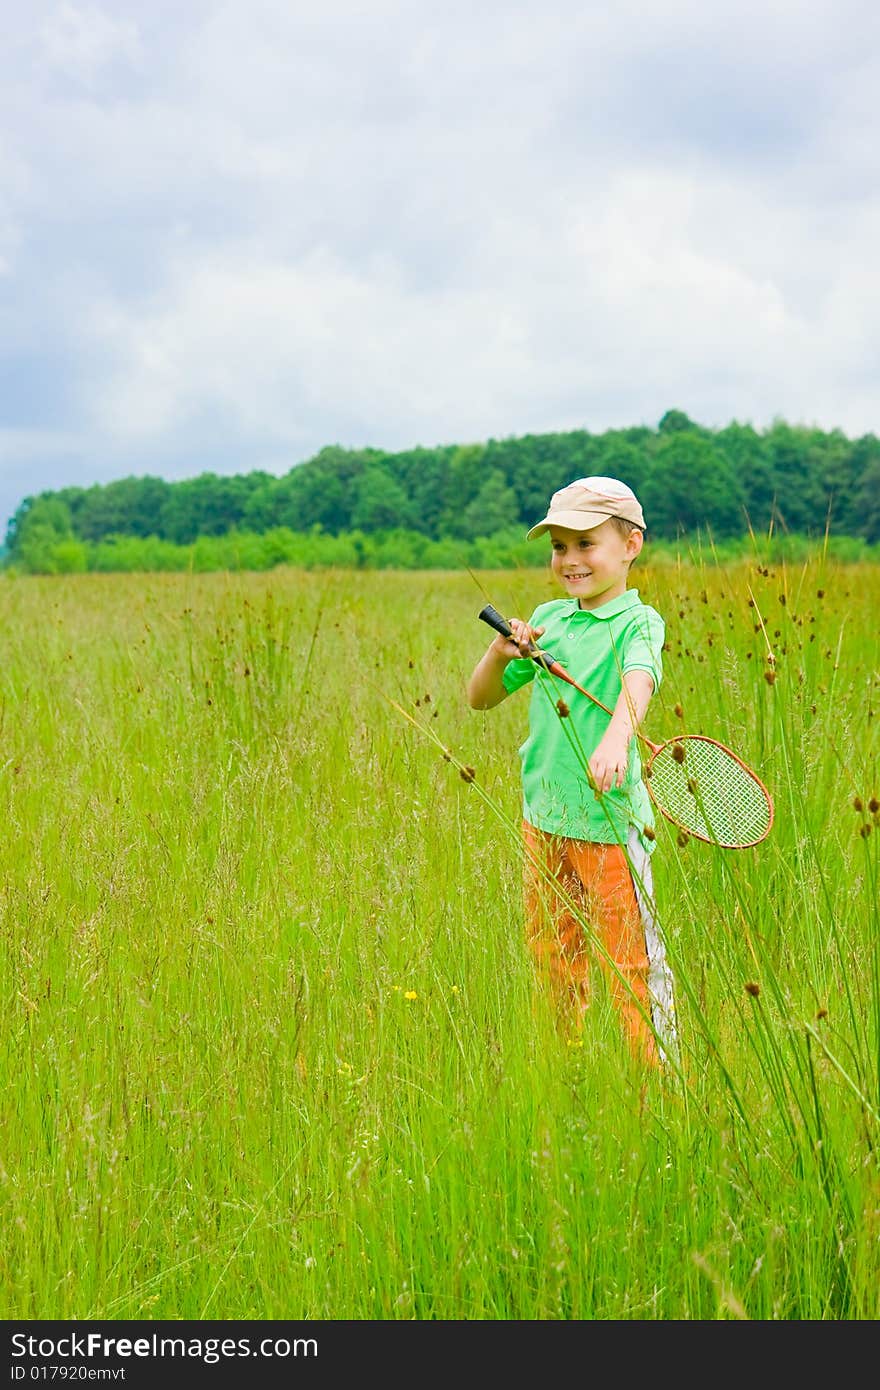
{"points": [[598, 647]]}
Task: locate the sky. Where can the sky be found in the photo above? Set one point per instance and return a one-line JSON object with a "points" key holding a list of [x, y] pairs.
{"points": [[234, 233]]}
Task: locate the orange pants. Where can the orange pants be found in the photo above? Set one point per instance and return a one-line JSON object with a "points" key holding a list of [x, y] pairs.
{"points": [[597, 880]]}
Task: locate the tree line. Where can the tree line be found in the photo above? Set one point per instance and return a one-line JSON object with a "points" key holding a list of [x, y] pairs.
{"points": [[723, 483]]}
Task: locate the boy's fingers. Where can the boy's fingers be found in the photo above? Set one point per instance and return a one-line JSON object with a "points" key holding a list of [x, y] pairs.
{"points": [[606, 777]]}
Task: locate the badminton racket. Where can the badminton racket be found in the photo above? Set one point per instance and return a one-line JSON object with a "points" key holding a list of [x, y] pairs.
{"points": [[697, 783]]}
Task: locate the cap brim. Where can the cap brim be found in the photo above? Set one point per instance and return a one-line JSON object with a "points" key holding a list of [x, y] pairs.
{"points": [[572, 521]]}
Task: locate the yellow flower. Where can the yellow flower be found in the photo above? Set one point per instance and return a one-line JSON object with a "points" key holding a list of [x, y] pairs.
{"points": [[410, 994]]}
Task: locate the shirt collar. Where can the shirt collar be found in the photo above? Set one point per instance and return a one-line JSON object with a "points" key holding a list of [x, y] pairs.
{"points": [[628, 599]]}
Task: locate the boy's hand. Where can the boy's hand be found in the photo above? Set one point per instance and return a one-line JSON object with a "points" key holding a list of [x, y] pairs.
{"points": [[486, 688], [609, 762], [512, 648]]}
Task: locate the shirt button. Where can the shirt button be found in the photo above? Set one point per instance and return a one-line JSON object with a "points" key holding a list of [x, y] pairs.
{"points": [[571, 637]]}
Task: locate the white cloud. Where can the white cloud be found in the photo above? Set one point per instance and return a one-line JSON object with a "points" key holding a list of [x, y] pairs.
{"points": [[275, 348], [252, 230], [81, 39]]}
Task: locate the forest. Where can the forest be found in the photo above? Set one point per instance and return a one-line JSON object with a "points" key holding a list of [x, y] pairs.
{"points": [[735, 481]]}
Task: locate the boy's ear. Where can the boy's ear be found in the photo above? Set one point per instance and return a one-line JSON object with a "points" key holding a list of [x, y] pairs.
{"points": [[635, 542]]}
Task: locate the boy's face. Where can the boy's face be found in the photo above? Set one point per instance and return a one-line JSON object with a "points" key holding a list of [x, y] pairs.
{"points": [[592, 566]]}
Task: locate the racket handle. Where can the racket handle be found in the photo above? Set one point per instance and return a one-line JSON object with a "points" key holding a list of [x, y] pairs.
{"points": [[491, 616]]}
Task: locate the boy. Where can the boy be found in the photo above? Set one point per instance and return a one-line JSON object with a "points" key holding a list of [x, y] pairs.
{"points": [[587, 816]]}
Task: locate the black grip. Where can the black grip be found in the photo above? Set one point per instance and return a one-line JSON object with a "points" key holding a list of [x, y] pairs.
{"points": [[491, 616]]}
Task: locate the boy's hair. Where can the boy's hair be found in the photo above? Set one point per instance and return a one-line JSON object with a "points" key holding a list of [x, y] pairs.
{"points": [[623, 527]]}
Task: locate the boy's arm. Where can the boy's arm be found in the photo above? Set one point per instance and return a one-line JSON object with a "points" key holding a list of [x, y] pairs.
{"points": [[485, 689], [610, 759]]}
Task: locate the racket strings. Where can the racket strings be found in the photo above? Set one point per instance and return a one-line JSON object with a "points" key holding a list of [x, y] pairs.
{"points": [[704, 788]]}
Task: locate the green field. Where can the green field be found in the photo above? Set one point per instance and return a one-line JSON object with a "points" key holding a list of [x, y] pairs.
{"points": [[273, 1046]]}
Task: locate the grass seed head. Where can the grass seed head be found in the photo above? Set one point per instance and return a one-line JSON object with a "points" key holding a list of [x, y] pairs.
{"points": [[678, 752], [467, 774], [858, 804], [753, 988], [562, 709]]}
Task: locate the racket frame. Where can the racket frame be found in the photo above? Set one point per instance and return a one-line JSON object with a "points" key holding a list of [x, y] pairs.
{"points": [[680, 741]]}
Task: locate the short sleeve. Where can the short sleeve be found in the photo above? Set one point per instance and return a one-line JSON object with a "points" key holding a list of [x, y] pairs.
{"points": [[643, 648], [518, 673]]}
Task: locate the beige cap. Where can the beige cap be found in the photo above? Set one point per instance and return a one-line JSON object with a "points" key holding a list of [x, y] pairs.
{"points": [[587, 502]]}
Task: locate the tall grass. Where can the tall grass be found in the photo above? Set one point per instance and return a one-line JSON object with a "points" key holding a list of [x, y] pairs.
{"points": [[273, 1046]]}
